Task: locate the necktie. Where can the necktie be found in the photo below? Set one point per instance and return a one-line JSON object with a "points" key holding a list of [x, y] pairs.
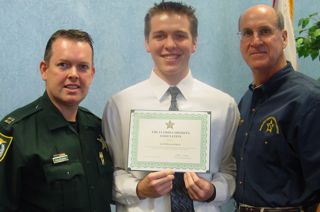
{"points": [[180, 200], [174, 91]]}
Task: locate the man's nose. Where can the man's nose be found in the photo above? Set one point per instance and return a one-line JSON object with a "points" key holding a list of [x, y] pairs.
{"points": [[73, 72], [256, 38], [170, 42]]}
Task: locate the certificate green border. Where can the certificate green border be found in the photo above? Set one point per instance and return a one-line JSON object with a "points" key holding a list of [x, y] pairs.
{"points": [[136, 116]]}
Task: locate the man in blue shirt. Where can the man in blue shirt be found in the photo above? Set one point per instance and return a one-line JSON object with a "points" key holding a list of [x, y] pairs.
{"points": [[277, 142]]}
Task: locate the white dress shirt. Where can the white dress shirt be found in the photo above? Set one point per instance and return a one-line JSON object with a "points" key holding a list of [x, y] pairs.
{"points": [[152, 94]]}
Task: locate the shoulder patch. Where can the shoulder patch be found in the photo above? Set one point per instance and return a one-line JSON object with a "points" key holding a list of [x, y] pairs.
{"points": [[19, 114], [5, 143]]}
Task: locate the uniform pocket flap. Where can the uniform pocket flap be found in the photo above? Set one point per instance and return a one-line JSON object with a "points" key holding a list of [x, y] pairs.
{"points": [[64, 171]]}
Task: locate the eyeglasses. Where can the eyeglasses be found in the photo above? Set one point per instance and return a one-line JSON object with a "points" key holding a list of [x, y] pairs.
{"points": [[262, 33]]}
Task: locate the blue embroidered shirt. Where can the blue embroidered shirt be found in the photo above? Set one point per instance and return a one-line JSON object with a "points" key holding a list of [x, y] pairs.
{"points": [[277, 145]]}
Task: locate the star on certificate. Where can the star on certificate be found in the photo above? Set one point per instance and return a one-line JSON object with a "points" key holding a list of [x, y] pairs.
{"points": [[170, 124]]}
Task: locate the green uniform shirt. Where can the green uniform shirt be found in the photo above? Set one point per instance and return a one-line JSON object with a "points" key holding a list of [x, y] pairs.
{"points": [[48, 165]]}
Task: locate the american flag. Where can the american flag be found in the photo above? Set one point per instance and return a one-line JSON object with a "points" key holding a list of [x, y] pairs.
{"points": [[286, 7]]}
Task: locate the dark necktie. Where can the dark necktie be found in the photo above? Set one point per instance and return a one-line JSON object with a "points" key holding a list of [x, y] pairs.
{"points": [[180, 200]]}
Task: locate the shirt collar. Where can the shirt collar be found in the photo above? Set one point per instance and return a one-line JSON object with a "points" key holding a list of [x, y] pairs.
{"points": [[160, 87], [275, 81], [52, 116]]}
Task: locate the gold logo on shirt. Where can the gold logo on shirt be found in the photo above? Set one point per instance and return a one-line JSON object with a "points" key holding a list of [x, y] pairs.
{"points": [[270, 125]]}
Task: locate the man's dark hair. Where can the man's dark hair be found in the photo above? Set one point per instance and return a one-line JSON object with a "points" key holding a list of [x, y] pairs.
{"points": [[71, 34], [172, 7]]}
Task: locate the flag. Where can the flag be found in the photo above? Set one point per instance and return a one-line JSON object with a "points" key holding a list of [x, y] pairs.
{"points": [[286, 7]]}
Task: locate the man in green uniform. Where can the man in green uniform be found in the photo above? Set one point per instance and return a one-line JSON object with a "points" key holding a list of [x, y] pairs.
{"points": [[52, 154]]}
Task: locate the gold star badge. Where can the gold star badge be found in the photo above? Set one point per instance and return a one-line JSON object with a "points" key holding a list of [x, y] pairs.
{"points": [[103, 143], [170, 124]]}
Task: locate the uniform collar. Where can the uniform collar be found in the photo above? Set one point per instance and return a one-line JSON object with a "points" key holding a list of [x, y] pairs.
{"points": [[160, 87], [52, 116]]}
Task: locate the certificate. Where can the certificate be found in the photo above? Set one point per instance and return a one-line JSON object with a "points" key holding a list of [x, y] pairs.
{"points": [[178, 140]]}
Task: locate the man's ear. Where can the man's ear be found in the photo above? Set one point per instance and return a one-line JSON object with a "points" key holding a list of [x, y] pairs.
{"points": [[194, 41], [43, 70], [93, 71], [284, 38]]}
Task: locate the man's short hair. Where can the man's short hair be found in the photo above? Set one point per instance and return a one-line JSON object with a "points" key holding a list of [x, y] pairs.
{"points": [[71, 34], [280, 20], [172, 7]]}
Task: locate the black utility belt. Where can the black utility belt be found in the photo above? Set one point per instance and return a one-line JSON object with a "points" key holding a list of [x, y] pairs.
{"points": [[249, 208]]}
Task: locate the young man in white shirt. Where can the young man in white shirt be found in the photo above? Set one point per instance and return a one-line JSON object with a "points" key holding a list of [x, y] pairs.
{"points": [[171, 38]]}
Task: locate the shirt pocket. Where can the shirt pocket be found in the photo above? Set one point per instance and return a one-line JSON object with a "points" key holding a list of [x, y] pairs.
{"points": [[64, 171], [67, 186]]}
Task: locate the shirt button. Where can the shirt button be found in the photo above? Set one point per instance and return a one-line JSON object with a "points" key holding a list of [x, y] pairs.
{"points": [[92, 187], [266, 142], [240, 182], [246, 134], [253, 110], [67, 173], [241, 158]]}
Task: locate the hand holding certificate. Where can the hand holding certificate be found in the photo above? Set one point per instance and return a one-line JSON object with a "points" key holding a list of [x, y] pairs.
{"points": [[177, 140]]}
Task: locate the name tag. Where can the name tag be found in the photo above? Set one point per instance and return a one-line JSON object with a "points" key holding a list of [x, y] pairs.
{"points": [[60, 158]]}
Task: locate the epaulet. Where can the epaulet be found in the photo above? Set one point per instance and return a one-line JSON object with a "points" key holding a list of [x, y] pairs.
{"points": [[85, 110], [19, 114]]}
